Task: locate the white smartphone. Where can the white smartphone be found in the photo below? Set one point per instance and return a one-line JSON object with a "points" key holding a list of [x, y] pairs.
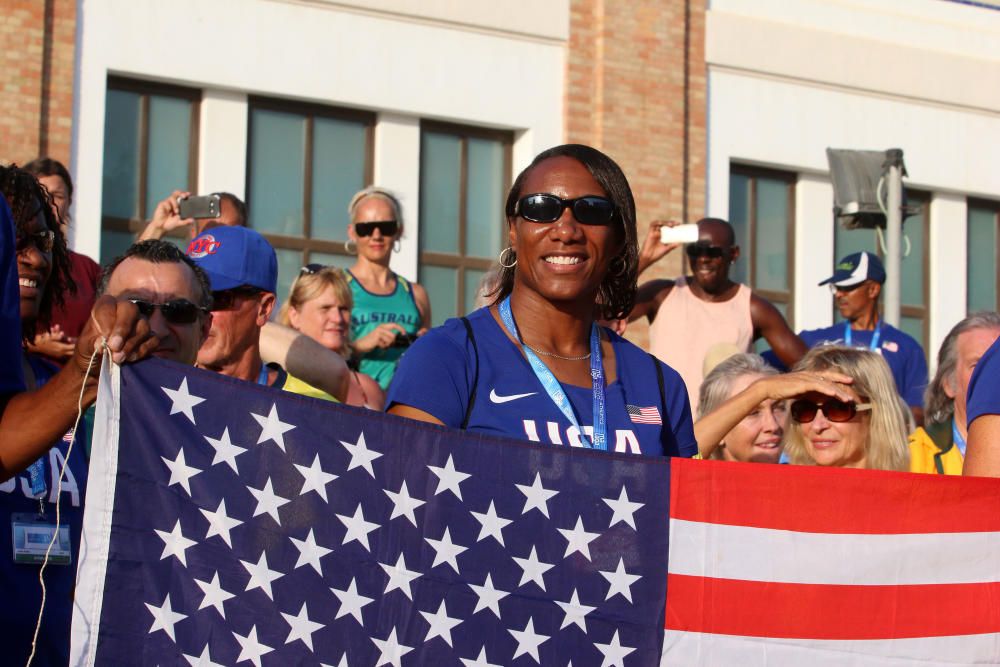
{"points": [[679, 234]]}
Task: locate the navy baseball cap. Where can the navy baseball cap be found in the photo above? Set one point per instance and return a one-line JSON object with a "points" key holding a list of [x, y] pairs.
{"points": [[235, 256], [857, 268]]}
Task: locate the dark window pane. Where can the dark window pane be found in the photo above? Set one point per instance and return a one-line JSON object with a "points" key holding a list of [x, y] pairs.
{"points": [[850, 241], [277, 172], [981, 266], [915, 327], [289, 264], [772, 235], [114, 244], [472, 279], [739, 218], [440, 188], [912, 278], [169, 149], [339, 148], [120, 191], [484, 198], [441, 285], [332, 259]]}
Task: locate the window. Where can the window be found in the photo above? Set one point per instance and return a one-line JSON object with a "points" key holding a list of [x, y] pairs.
{"points": [[762, 212], [305, 163], [914, 278], [150, 150], [464, 177], [981, 264]]}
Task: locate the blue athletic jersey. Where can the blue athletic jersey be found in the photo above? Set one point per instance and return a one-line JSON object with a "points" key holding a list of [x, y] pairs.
{"points": [[11, 377], [19, 582], [903, 354], [436, 375], [984, 386]]}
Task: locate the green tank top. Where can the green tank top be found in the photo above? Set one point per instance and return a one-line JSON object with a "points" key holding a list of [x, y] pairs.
{"points": [[371, 310]]}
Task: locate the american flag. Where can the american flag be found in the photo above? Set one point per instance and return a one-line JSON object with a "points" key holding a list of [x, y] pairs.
{"points": [[650, 415], [229, 524], [232, 524]]}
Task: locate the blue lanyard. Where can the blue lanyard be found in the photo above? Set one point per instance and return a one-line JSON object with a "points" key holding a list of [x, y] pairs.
{"points": [[551, 384], [957, 438], [873, 345], [262, 377]]}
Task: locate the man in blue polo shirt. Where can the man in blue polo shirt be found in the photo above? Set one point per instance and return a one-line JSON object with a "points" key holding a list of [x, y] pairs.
{"points": [[856, 285]]}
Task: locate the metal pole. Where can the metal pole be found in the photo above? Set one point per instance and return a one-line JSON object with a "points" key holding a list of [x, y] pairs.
{"points": [[894, 235]]}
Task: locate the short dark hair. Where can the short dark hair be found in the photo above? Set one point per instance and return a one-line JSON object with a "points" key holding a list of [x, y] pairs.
{"points": [[728, 228], [616, 295], [27, 199], [158, 251], [46, 166], [238, 204]]}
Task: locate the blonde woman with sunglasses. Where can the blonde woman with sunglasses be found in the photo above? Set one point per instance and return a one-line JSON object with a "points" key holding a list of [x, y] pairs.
{"points": [[869, 431], [389, 311]]}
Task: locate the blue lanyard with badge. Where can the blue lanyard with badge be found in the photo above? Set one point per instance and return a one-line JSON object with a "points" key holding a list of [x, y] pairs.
{"points": [[32, 532], [957, 438], [551, 384], [873, 345]]}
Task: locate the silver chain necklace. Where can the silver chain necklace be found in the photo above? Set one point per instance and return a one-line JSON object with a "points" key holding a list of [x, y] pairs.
{"points": [[557, 356]]}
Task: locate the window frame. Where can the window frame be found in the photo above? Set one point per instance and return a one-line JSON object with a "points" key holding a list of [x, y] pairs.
{"points": [[752, 173], [309, 111], [993, 207], [144, 89], [460, 261]]}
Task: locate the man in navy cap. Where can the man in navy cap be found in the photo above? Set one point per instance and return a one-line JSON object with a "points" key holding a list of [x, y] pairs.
{"points": [[243, 271], [856, 285]]}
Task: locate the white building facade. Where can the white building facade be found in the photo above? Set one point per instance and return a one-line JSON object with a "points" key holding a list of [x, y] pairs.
{"points": [[294, 105], [789, 79]]}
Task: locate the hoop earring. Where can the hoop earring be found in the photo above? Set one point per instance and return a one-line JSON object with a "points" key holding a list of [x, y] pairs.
{"points": [[396, 245], [348, 249], [508, 252], [622, 271]]}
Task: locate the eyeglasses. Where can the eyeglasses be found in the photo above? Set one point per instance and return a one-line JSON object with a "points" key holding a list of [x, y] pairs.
{"points": [[846, 289], [386, 227], [590, 210], [804, 411], [694, 251], [176, 311], [226, 299], [44, 241], [310, 269]]}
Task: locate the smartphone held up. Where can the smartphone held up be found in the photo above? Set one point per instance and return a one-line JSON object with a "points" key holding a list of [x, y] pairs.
{"points": [[679, 234], [207, 206]]}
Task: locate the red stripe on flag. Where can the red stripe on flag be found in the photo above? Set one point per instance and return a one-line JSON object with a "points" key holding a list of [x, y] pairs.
{"points": [[812, 611], [831, 500]]}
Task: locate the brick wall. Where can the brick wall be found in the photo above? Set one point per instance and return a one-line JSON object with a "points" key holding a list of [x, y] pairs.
{"points": [[36, 78], [627, 94]]}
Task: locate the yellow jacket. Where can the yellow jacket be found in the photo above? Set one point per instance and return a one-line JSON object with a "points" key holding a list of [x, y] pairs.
{"points": [[933, 451]]}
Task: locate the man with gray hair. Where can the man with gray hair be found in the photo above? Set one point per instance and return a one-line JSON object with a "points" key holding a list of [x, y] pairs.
{"points": [[939, 446]]}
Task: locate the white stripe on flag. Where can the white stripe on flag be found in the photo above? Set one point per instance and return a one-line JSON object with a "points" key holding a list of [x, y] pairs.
{"points": [[694, 648], [96, 536], [763, 554]]}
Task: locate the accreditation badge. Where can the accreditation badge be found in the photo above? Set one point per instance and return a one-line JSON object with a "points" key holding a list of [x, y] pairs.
{"points": [[31, 535]]}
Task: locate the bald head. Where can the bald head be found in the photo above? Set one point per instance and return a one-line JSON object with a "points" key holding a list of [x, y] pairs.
{"points": [[716, 230]]}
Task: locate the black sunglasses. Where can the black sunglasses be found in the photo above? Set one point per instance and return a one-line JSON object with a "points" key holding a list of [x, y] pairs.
{"points": [[589, 210], [310, 269], [226, 299], [386, 227], [175, 311], [44, 241], [804, 411], [694, 251]]}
